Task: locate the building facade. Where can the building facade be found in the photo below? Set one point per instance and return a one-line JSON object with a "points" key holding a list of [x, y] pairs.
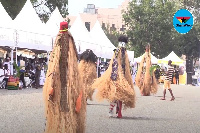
{"points": [[108, 17]]}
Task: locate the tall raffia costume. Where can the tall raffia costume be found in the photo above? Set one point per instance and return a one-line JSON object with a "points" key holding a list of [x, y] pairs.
{"points": [[87, 70], [146, 83], [63, 95], [116, 83]]}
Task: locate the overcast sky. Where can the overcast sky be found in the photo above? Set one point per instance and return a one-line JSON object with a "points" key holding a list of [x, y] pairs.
{"points": [[77, 6]]}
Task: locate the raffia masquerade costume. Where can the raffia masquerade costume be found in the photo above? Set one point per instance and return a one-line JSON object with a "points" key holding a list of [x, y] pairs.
{"points": [[116, 83], [146, 83], [87, 70], [63, 95]]}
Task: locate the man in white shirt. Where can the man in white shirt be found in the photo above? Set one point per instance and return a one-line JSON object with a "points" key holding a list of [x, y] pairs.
{"points": [[6, 73]]}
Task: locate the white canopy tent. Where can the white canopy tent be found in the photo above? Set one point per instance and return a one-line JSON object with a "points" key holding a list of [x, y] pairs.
{"points": [[82, 37], [130, 56], [154, 60], [53, 24], [106, 47], [173, 57], [31, 32], [6, 31]]}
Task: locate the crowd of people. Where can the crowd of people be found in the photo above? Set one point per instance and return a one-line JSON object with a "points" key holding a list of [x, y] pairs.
{"points": [[31, 72]]}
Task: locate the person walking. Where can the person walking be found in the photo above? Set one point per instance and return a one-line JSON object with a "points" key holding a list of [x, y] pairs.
{"points": [[146, 81], [63, 93], [87, 70], [116, 83], [167, 81]]}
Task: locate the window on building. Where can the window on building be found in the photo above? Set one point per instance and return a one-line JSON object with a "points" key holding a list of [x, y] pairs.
{"points": [[123, 28], [87, 25], [96, 11], [103, 25], [113, 27], [91, 6], [85, 10]]}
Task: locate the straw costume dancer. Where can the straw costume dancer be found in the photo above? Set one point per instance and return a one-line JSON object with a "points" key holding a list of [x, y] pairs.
{"points": [[87, 70], [144, 80], [116, 83], [63, 95]]}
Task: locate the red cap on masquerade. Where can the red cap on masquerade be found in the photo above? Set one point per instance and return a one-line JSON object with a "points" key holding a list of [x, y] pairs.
{"points": [[63, 27]]}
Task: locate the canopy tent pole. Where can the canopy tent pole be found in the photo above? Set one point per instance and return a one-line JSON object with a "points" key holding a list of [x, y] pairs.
{"points": [[48, 55], [16, 36], [16, 55], [11, 65]]}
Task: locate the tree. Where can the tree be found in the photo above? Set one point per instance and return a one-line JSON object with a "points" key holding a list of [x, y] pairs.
{"points": [[43, 8], [13, 7], [151, 22], [189, 43]]}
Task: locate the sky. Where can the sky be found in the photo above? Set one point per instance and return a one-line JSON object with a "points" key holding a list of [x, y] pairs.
{"points": [[77, 6]]}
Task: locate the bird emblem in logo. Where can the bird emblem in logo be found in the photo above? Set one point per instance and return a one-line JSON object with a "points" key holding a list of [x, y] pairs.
{"points": [[183, 19]]}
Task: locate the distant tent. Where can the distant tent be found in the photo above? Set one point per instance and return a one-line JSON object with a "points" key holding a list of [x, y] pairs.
{"points": [[100, 37], [53, 24], [154, 60], [130, 56], [31, 31], [6, 31], [82, 37], [173, 57]]}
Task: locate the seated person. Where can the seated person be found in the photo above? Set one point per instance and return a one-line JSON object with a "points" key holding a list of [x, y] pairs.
{"points": [[27, 77]]}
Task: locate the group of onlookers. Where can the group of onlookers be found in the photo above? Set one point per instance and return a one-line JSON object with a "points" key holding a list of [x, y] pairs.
{"points": [[31, 71]]}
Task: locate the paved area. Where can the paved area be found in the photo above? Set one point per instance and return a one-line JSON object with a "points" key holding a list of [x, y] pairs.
{"points": [[22, 111]]}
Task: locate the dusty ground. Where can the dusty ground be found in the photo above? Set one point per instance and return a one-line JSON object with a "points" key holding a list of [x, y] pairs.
{"points": [[22, 111]]}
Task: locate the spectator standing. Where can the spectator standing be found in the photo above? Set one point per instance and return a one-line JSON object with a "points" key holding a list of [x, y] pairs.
{"points": [[37, 76], [177, 76], [7, 74], [22, 70], [7, 61]]}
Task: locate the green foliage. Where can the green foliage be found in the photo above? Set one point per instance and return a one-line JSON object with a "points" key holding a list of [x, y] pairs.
{"points": [[189, 43], [151, 21], [152, 68], [17, 69], [13, 7], [44, 8]]}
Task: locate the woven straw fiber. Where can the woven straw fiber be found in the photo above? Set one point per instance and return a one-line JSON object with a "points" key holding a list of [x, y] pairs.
{"points": [[144, 79], [119, 89], [88, 73], [58, 121]]}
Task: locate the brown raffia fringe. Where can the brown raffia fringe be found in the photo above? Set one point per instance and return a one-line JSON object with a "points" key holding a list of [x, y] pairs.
{"points": [[119, 89], [144, 79], [88, 73], [58, 121]]}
